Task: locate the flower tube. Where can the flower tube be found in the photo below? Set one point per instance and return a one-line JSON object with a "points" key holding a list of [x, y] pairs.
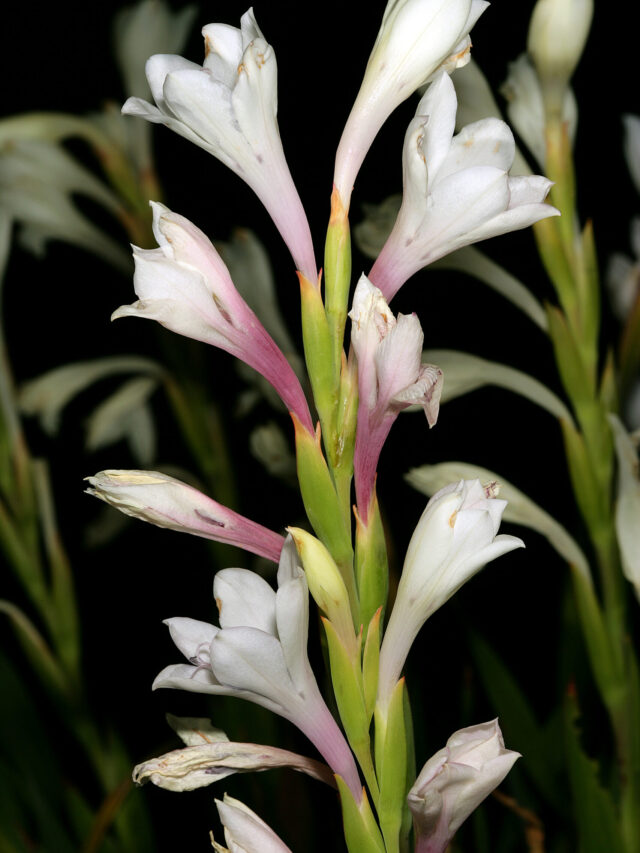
{"points": [[455, 537], [186, 287], [229, 107], [457, 189]]}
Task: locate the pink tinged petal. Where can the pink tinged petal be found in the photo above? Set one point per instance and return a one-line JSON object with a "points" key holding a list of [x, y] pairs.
{"points": [[244, 599], [167, 502], [245, 832], [397, 358]]}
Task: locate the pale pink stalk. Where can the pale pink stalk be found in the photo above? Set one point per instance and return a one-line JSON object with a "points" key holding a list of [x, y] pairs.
{"points": [[167, 502], [185, 286]]}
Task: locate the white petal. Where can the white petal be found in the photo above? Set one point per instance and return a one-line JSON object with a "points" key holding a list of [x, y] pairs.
{"points": [[223, 52], [292, 616], [484, 143], [191, 636], [251, 660], [245, 832], [157, 68], [182, 676], [244, 599], [398, 357]]}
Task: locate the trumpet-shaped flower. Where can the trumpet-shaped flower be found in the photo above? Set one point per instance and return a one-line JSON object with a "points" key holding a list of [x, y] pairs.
{"points": [[457, 189], [169, 503], [416, 38], [244, 831], [454, 539], [390, 378], [454, 782], [259, 653], [228, 107], [185, 286]]}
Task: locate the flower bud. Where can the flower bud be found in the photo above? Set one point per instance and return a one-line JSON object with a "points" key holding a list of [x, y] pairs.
{"points": [[454, 782], [557, 35]]}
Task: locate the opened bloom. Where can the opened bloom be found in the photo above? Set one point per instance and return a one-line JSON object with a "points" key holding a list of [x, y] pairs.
{"points": [[416, 37], [391, 377], [244, 831], [167, 502], [457, 189], [229, 107], [259, 653], [454, 782], [186, 287], [456, 536]]}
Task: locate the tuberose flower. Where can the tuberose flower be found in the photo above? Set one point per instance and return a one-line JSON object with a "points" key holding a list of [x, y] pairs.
{"points": [[228, 107], [456, 536], [186, 287], [259, 653], [416, 37], [167, 502], [457, 189], [244, 831], [391, 377], [454, 782]]}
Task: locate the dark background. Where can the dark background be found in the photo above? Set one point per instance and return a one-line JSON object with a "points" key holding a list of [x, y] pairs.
{"points": [[58, 310]]}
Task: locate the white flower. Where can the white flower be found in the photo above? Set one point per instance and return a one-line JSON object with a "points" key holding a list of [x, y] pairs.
{"points": [[557, 35], [456, 536], [228, 107], [416, 38], [391, 377], [457, 189], [525, 107], [167, 502], [454, 782], [186, 287], [244, 831], [259, 653]]}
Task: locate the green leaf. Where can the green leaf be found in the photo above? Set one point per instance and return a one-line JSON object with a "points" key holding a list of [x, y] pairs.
{"points": [[465, 372], [595, 816]]}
